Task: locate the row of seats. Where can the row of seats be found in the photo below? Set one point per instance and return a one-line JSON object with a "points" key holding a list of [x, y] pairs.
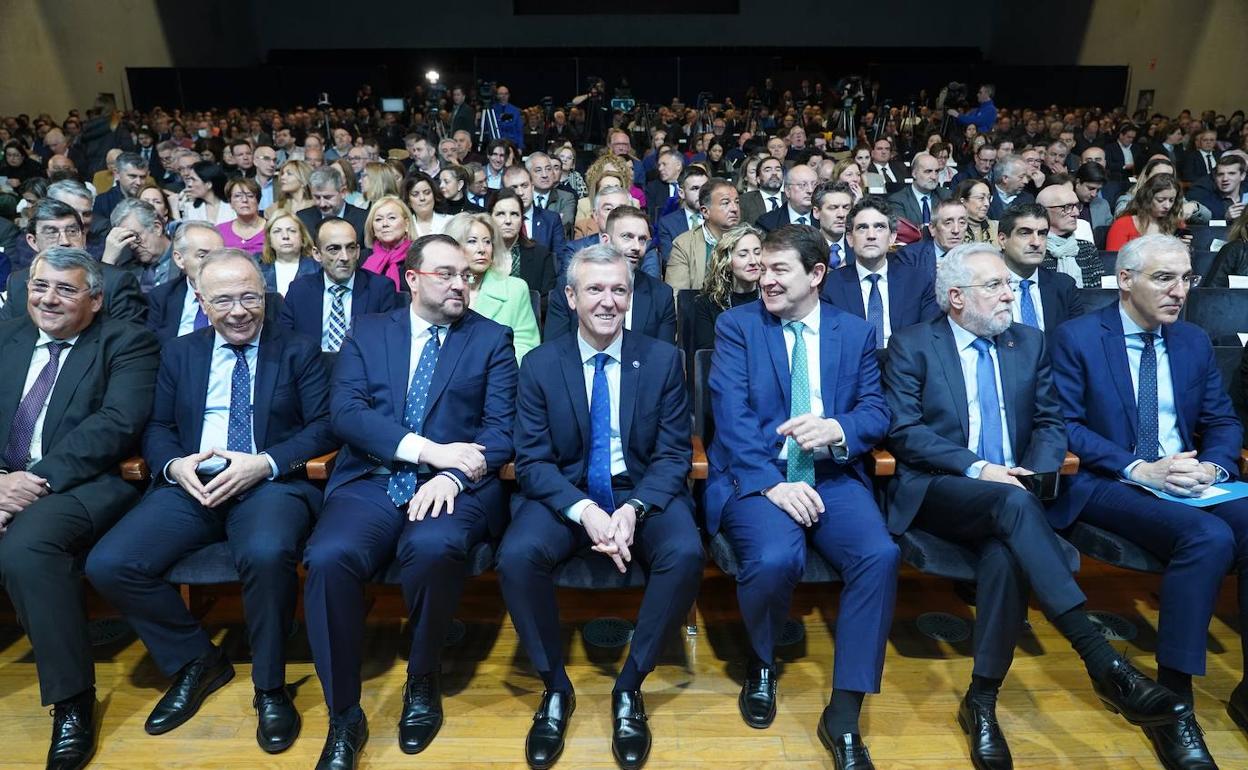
{"points": [[1222, 313]]}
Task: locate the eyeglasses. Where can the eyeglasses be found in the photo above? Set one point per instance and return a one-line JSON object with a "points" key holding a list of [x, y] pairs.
{"points": [[1167, 281], [1065, 208], [994, 286], [69, 231], [804, 185], [243, 195], [226, 304], [446, 276], [63, 290]]}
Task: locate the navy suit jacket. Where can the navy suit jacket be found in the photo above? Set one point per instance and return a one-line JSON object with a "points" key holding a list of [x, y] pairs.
{"points": [[657, 195], [650, 264], [472, 398], [927, 395], [303, 308], [1192, 166], [750, 396], [1114, 161], [668, 228], [1211, 198], [164, 308], [1093, 378], [996, 208], [1060, 300], [548, 230], [311, 218], [774, 219], [290, 406], [654, 310], [104, 204], [911, 296], [552, 447]]}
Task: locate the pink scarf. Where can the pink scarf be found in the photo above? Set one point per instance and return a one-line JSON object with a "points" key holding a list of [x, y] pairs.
{"points": [[388, 261]]}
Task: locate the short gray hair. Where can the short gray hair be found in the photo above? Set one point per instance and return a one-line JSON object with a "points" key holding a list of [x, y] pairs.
{"points": [[1135, 251], [953, 270], [182, 233], [131, 160], [141, 210], [326, 177], [228, 254], [70, 188], [68, 258], [604, 192], [1007, 165], [597, 254], [528, 162]]}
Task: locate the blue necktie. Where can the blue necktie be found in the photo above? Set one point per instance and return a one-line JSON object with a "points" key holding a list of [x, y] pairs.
{"points": [[801, 462], [875, 310], [1146, 444], [927, 212], [1027, 308], [834, 256], [201, 320], [600, 438], [402, 485], [990, 443], [337, 330], [238, 436]]}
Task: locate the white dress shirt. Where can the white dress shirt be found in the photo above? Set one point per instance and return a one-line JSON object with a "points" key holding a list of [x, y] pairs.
{"points": [[772, 201], [413, 444], [810, 335], [793, 216], [612, 370], [190, 308], [216, 429], [969, 358], [327, 304], [1016, 307], [1127, 158], [37, 362], [885, 170], [864, 285]]}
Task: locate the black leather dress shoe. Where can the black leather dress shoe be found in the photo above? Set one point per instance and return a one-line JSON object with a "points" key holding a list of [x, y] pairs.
{"points": [[630, 735], [1140, 700], [73, 734], [1237, 706], [544, 743], [848, 750], [343, 745], [1181, 745], [422, 713], [989, 751], [757, 700], [196, 681], [278, 721]]}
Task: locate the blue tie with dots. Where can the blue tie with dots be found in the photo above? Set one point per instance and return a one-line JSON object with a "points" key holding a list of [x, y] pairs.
{"points": [[402, 484], [238, 437], [834, 256], [600, 438], [875, 309], [1146, 445], [1026, 307], [991, 447]]}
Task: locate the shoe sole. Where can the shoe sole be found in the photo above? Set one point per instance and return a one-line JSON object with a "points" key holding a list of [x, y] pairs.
{"points": [[1157, 722], [279, 748], [975, 761], [216, 684], [544, 765], [426, 745]]}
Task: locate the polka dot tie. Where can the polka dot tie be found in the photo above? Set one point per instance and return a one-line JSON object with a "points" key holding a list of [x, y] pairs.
{"points": [[801, 462], [402, 484], [238, 437], [1146, 444], [600, 438]]}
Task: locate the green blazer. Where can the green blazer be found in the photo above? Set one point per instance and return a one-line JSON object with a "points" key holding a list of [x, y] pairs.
{"points": [[506, 300]]}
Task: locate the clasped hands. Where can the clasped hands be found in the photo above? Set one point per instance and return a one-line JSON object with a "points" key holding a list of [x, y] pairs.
{"points": [[798, 499], [17, 491], [439, 492], [244, 472], [1179, 474], [613, 533]]}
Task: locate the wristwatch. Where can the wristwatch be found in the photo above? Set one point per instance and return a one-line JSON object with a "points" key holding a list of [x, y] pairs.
{"points": [[642, 509]]}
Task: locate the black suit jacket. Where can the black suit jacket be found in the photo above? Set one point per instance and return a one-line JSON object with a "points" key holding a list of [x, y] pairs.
{"points": [[537, 268], [899, 171], [1192, 165], [911, 297], [96, 411], [311, 218], [1114, 161], [657, 193], [780, 217], [103, 207], [164, 308], [654, 310], [1059, 298], [926, 392], [304, 307], [123, 300]]}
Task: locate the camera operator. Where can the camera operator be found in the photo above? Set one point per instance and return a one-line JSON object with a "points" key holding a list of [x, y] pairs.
{"points": [[508, 118], [984, 116], [597, 109]]}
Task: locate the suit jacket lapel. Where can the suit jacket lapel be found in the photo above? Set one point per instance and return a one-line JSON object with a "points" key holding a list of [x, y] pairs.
{"points": [[1048, 298], [1007, 358], [1116, 358], [1179, 372], [202, 351], [951, 362], [268, 364], [630, 375], [829, 357], [457, 340], [16, 354], [78, 361], [574, 379], [642, 305], [846, 282], [773, 334], [398, 355]]}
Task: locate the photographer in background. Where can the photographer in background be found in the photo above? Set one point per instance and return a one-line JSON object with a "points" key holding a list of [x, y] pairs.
{"points": [[597, 109], [984, 116], [507, 116]]}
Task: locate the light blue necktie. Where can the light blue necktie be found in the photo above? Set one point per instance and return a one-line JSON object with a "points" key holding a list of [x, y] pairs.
{"points": [[1027, 308], [238, 435], [1146, 444], [875, 310], [600, 438], [402, 485], [801, 462], [990, 442]]}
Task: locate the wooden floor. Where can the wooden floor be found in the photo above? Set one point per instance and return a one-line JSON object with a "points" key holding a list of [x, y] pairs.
{"points": [[1047, 708]]}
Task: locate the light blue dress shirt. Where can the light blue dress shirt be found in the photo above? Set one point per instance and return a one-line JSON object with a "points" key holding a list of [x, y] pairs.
{"points": [[968, 357]]}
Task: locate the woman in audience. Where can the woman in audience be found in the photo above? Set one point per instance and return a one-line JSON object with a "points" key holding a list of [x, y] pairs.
{"points": [[948, 167], [862, 156], [246, 230], [204, 194], [569, 177], [287, 251], [731, 279], [293, 193], [976, 195], [164, 202], [453, 184], [607, 171], [354, 197], [529, 260], [1194, 213], [379, 180], [422, 196], [1232, 258], [18, 166], [388, 230], [847, 171], [747, 175], [715, 158], [495, 293], [1156, 208]]}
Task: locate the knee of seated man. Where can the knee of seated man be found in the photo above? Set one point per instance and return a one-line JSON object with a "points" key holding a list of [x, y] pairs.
{"points": [[430, 550], [777, 562], [1210, 537], [521, 554], [1016, 503], [265, 553]]}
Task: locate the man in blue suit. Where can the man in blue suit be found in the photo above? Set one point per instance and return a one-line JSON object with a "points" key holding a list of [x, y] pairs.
{"points": [[602, 457], [831, 203], [1043, 298], [688, 215], [605, 201], [798, 209], [172, 307], [240, 409], [541, 225], [795, 391], [424, 399], [974, 409], [325, 304], [1138, 386], [888, 293], [948, 229]]}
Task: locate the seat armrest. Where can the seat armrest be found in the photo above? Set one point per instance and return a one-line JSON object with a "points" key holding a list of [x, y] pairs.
{"points": [[134, 469], [880, 462], [700, 468], [1070, 466], [319, 468]]}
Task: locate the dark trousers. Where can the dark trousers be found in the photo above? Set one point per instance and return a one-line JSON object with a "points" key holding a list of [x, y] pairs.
{"points": [[1018, 552], [1199, 546], [358, 533], [771, 553], [667, 544], [264, 529], [39, 569]]}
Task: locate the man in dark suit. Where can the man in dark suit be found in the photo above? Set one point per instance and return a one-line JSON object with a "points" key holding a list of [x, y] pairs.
{"points": [[240, 409], [888, 293], [540, 225], [1145, 407], [546, 192], [1200, 161], [690, 255], [948, 229], [885, 163], [602, 457], [324, 305], [916, 200], [652, 308], [606, 200], [75, 392], [687, 216], [1226, 193], [131, 173], [172, 308], [424, 399], [56, 224], [800, 186], [1012, 175], [663, 193], [329, 193], [831, 204], [1043, 298], [795, 391], [770, 193], [974, 410], [981, 167], [1123, 157]]}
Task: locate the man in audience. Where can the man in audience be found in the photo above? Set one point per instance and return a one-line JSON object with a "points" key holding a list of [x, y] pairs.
{"points": [[540, 225], [423, 154], [688, 215], [1093, 209], [324, 305], [832, 202], [915, 201], [1122, 156], [131, 173], [981, 168], [508, 118], [1226, 196], [78, 197], [241, 406], [172, 307], [244, 157], [889, 293], [606, 200], [1154, 416], [461, 118], [1055, 157], [343, 142], [478, 193], [329, 196], [546, 192], [137, 243], [1043, 298], [1200, 161], [1093, 154], [770, 193], [1012, 174], [948, 229], [283, 145], [800, 187], [448, 152], [960, 480], [81, 390], [417, 481], [984, 116], [787, 475], [1064, 251], [663, 194], [719, 210], [602, 457], [888, 167], [264, 159]]}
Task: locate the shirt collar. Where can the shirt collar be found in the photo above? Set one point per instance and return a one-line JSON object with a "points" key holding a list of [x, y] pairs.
{"points": [[220, 342], [419, 325], [961, 336], [45, 338], [350, 284], [919, 195], [793, 215], [864, 272], [1129, 326], [811, 320], [1034, 277], [614, 350]]}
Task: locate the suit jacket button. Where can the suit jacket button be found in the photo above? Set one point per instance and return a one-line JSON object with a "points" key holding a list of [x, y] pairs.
{"points": [[780, 443]]}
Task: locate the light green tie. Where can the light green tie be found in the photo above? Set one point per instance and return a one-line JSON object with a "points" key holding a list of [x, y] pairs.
{"points": [[801, 461]]}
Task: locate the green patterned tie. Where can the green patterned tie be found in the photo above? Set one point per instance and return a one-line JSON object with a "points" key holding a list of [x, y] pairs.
{"points": [[515, 260], [801, 461]]}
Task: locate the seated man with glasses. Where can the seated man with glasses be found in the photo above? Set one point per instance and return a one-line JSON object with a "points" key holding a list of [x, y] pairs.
{"points": [[1069, 245], [1146, 410], [241, 406], [323, 305], [800, 187]]}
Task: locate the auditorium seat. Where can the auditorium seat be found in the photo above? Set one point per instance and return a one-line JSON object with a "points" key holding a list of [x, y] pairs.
{"points": [[1108, 261], [1222, 313], [1203, 236], [1202, 261], [1094, 299]]}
